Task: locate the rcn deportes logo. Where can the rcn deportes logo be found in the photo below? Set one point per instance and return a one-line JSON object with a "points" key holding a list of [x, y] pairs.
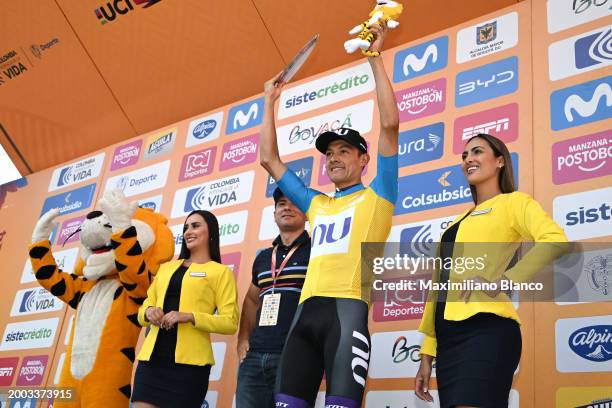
{"points": [[114, 8], [487, 82], [581, 104], [593, 343], [421, 59], [245, 116]]}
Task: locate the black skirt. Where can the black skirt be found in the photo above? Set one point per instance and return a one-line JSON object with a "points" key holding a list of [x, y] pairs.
{"points": [[476, 360], [170, 385]]}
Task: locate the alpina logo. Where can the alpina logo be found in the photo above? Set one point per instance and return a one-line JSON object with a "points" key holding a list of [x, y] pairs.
{"points": [[501, 122], [113, 9], [582, 158], [592, 343], [422, 100]]}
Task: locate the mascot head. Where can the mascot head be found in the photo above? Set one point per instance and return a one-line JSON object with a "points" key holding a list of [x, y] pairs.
{"points": [[97, 258]]}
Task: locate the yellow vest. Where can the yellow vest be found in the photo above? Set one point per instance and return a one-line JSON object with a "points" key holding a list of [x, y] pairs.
{"points": [[507, 219], [205, 288]]}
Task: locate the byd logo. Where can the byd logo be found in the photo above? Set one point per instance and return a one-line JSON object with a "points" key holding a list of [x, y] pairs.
{"points": [[110, 11]]}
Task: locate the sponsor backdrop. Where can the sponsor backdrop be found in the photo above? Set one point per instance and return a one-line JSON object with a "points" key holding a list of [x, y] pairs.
{"points": [[533, 74]]}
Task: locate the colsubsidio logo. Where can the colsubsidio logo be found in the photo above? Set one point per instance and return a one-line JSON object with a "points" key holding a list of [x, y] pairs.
{"points": [[422, 100], [486, 82], [421, 59], [582, 158], [584, 103], [245, 116], [593, 343], [421, 145], [437, 188], [70, 201], [110, 11], [301, 167]]}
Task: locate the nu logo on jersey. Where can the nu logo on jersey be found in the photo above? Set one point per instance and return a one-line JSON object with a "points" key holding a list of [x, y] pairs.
{"points": [[580, 104], [361, 359], [487, 82], [245, 116], [331, 234], [421, 59], [593, 343], [400, 352], [421, 145]]}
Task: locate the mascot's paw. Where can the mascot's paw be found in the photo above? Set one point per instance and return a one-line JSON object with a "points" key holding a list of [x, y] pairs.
{"points": [[357, 29], [45, 225], [356, 43], [117, 208], [100, 265], [392, 23]]}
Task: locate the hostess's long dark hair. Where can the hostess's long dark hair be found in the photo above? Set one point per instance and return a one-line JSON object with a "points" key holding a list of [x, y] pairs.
{"points": [[213, 236], [505, 178]]}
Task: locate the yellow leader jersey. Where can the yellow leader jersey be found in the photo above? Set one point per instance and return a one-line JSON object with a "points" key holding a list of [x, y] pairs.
{"points": [[338, 227]]}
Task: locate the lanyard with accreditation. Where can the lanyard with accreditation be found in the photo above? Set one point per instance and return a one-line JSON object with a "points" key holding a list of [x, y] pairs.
{"points": [[271, 301]]}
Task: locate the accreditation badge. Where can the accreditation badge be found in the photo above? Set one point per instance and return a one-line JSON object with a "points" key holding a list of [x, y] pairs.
{"points": [[269, 310]]}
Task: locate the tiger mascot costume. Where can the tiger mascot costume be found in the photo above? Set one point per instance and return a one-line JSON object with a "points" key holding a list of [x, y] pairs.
{"points": [[121, 249]]}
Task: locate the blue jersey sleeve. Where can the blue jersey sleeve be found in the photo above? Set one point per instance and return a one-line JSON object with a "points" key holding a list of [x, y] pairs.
{"points": [[293, 187], [385, 182]]}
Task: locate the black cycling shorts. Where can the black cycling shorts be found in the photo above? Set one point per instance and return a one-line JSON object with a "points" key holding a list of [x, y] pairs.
{"points": [[327, 335]]}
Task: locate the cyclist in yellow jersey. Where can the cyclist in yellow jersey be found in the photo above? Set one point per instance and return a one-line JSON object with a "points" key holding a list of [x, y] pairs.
{"points": [[330, 329]]}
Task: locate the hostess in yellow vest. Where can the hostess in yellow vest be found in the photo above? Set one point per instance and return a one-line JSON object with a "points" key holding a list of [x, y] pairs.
{"points": [[205, 288], [507, 219]]}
